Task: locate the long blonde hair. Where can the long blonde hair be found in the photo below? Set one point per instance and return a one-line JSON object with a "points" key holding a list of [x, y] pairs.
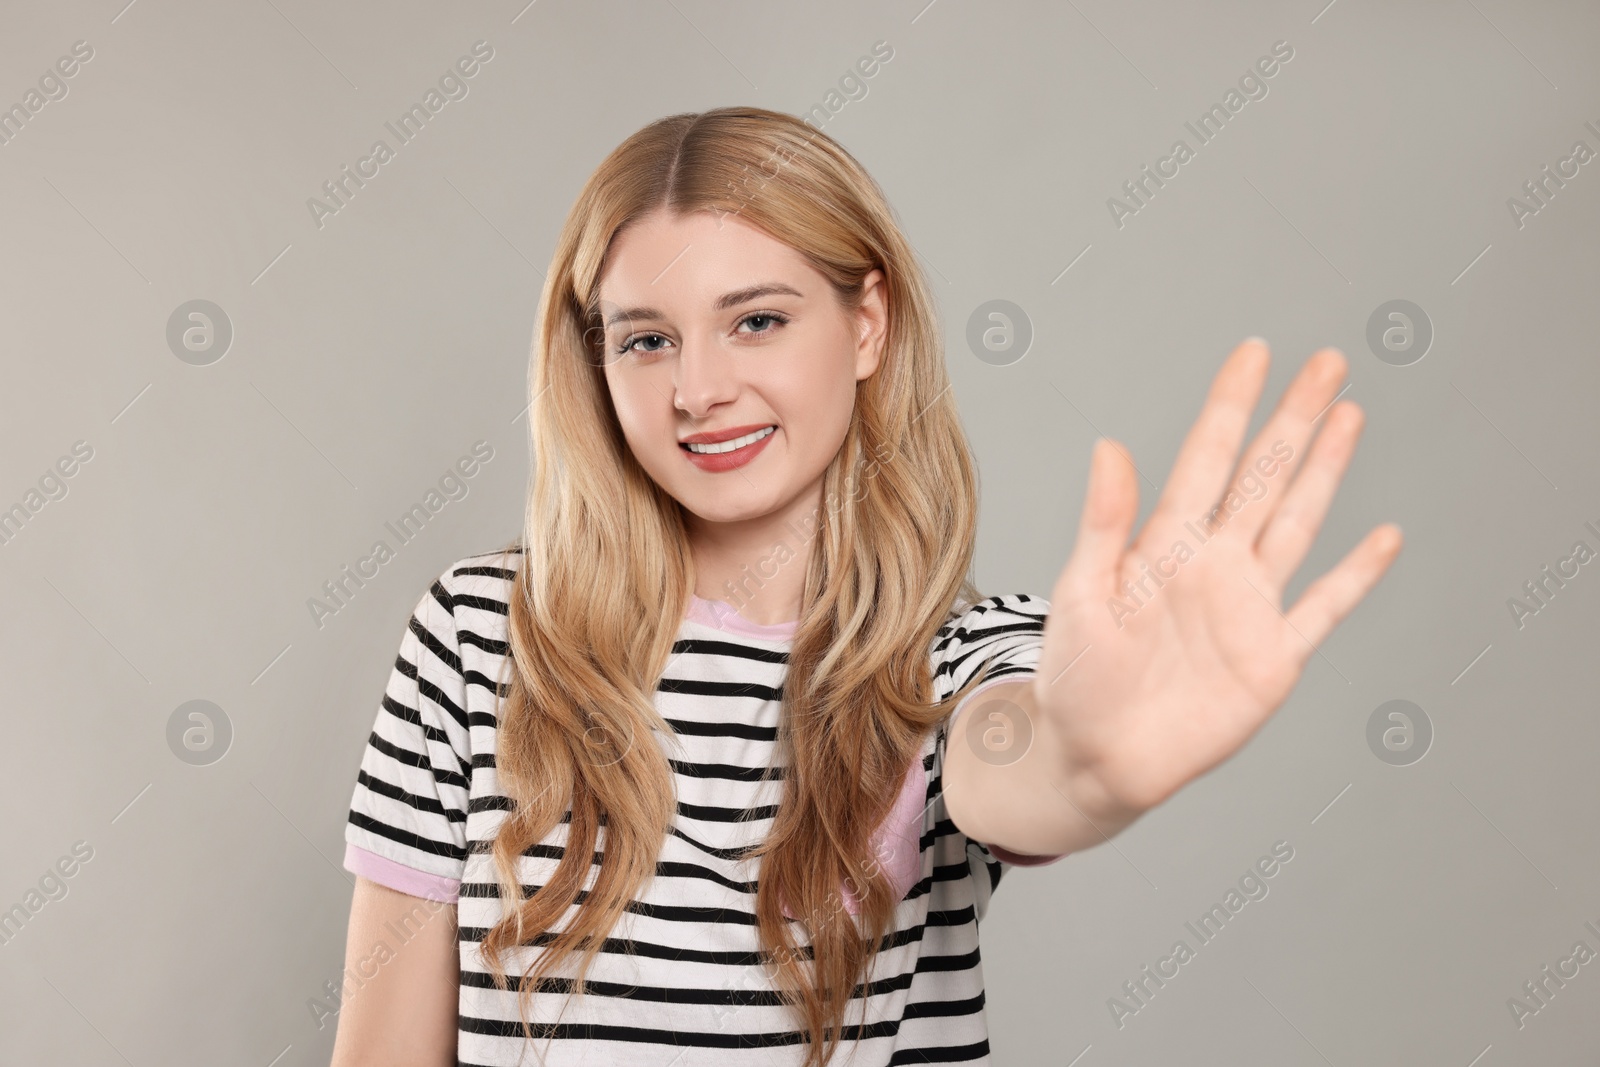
{"points": [[606, 573]]}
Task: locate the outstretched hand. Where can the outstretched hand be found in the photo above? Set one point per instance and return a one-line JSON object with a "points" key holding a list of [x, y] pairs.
{"points": [[1163, 656]]}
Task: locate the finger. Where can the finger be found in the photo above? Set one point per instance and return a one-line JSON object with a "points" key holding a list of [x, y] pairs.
{"points": [[1330, 598], [1200, 472], [1252, 498], [1111, 503], [1288, 536]]}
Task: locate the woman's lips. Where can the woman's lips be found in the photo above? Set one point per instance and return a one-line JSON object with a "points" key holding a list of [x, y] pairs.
{"points": [[726, 461]]}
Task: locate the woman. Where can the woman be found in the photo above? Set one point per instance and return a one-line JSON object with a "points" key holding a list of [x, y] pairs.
{"points": [[670, 778]]}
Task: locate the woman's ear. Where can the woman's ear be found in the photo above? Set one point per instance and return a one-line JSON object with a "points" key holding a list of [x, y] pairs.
{"points": [[872, 324]]}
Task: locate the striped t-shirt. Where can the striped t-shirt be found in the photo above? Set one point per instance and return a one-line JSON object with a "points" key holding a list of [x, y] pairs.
{"points": [[680, 980]]}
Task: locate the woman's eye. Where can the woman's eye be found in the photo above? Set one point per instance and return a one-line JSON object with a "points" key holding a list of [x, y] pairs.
{"points": [[765, 316], [627, 346]]}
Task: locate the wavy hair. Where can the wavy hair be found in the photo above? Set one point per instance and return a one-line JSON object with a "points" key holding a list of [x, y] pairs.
{"points": [[605, 575]]}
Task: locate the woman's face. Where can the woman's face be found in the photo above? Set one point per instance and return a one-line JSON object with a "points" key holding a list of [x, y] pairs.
{"points": [[715, 330]]}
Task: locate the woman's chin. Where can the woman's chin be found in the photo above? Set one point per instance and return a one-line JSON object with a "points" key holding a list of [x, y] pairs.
{"points": [[740, 503]]}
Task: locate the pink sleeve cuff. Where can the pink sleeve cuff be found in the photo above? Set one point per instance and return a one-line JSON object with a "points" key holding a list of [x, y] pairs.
{"points": [[399, 877], [1022, 859], [1004, 679]]}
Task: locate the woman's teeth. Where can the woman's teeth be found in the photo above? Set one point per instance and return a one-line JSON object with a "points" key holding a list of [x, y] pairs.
{"points": [[729, 446]]}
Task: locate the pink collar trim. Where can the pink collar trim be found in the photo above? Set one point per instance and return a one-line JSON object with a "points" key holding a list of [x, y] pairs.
{"points": [[721, 616]]}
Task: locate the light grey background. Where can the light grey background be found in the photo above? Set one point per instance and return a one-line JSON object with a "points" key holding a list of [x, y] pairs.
{"points": [[370, 353]]}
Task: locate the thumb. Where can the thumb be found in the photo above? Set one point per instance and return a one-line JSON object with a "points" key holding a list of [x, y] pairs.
{"points": [[1111, 503]]}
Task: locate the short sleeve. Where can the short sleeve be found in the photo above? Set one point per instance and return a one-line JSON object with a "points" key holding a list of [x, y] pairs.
{"points": [[408, 814], [1003, 635]]}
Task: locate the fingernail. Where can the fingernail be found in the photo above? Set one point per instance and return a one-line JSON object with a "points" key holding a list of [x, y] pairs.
{"points": [[1257, 340]]}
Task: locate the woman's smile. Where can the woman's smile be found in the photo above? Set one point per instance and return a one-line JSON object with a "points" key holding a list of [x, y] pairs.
{"points": [[725, 455]]}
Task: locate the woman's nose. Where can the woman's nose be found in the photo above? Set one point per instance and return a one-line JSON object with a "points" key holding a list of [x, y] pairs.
{"points": [[706, 376]]}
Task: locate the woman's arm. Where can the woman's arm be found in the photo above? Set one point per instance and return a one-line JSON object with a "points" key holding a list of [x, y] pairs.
{"points": [[404, 1015]]}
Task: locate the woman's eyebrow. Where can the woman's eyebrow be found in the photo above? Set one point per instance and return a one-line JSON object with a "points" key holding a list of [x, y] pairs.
{"points": [[724, 302]]}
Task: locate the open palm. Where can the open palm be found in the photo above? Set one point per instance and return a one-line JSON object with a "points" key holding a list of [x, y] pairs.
{"points": [[1163, 656]]}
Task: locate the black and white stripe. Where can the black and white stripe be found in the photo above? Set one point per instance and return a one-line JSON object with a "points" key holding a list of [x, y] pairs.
{"points": [[679, 980]]}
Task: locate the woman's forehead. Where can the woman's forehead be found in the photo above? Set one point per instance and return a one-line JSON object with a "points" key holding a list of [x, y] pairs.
{"points": [[693, 264]]}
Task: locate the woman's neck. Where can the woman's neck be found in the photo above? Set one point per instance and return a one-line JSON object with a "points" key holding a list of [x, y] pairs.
{"points": [[757, 566]]}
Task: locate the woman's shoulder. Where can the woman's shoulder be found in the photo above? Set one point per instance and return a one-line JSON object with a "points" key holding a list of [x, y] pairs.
{"points": [[472, 595], [1002, 634], [482, 575], [970, 616]]}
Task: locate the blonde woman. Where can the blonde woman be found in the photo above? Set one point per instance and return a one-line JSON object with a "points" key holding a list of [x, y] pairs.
{"points": [[720, 761]]}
